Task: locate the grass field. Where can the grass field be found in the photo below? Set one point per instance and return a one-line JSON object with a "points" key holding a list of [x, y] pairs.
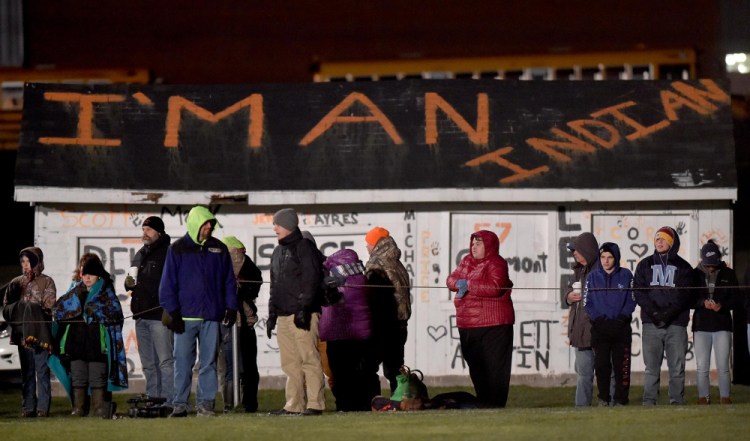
{"points": [[532, 414]]}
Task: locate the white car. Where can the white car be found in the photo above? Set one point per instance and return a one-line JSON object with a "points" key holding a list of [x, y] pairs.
{"points": [[8, 353]]}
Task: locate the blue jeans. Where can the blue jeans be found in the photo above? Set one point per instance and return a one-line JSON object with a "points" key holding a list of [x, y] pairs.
{"points": [[155, 347], [197, 333], [672, 342], [721, 341], [35, 379], [584, 366]]}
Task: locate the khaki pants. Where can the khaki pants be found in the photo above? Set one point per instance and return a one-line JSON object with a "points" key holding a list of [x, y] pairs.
{"points": [[300, 361]]}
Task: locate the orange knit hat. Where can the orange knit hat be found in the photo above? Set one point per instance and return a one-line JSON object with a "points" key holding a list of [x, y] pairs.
{"points": [[375, 235]]}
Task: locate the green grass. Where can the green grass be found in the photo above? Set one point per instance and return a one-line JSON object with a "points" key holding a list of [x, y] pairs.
{"points": [[537, 414]]}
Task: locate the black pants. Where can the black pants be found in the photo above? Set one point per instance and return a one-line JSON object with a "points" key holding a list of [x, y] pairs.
{"points": [[489, 352], [355, 374], [611, 340], [250, 377], [389, 350]]}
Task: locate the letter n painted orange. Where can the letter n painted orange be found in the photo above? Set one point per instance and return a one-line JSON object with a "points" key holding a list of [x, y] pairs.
{"points": [[479, 136], [712, 92], [335, 116], [85, 133], [177, 103], [548, 146]]}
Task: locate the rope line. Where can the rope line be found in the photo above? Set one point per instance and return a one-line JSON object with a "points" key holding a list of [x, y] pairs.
{"points": [[557, 288]]}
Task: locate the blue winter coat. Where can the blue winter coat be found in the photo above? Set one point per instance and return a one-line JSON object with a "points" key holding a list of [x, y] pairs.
{"points": [[608, 295], [198, 279]]}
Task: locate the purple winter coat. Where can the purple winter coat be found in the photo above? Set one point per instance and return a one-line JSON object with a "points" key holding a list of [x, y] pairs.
{"points": [[349, 319]]}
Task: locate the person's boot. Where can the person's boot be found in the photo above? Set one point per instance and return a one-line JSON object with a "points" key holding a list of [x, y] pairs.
{"points": [[228, 394], [79, 399], [97, 402]]}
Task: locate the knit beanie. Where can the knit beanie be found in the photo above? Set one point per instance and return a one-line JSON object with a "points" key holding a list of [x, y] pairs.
{"points": [[155, 223], [375, 235], [287, 218], [666, 233], [710, 254]]}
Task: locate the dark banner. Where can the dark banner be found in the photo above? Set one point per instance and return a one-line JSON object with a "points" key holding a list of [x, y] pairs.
{"points": [[379, 135]]}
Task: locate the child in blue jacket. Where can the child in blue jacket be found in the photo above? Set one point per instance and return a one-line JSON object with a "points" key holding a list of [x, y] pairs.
{"points": [[609, 303]]}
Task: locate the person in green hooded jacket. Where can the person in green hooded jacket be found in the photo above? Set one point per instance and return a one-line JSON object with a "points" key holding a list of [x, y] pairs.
{"points": [[198, 292]]}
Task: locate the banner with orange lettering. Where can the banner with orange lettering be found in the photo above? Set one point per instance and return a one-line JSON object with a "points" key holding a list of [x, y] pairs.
{"points": [[399, 135]]}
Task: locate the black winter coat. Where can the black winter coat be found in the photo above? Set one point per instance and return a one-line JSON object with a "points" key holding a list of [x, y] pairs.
{"points": [[150, 262], [296, 276]]}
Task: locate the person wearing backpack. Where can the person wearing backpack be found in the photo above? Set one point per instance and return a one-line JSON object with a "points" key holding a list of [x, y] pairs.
{"points": [[294, 308]]}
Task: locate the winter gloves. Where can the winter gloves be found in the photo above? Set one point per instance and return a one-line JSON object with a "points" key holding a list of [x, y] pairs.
{"points": [[270, 325], [230, 316], [302, 320], [463, 288], [173, 321], [129, 283]]}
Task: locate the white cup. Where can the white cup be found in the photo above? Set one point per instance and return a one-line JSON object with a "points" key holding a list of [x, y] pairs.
{"points": [[133, 272], [576, 287]]}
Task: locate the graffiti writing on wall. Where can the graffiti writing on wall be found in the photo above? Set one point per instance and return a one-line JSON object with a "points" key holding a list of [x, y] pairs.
{"points": [[531, 349]]}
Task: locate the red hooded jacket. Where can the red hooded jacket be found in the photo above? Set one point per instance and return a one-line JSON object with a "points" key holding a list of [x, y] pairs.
{"points": [[487, 302]]}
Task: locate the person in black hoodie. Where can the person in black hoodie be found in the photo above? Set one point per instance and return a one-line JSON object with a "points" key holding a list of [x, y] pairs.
{"points": [[665, 312], [712, 323], [155, 341]]}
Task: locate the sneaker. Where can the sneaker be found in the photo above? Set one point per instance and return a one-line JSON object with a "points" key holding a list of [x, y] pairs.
{"points": [[725, 400], [704, 400], [42, 414], [603, 403], [28, 414], [283, 412], [312, 412], [203, 412], [178, 412]]}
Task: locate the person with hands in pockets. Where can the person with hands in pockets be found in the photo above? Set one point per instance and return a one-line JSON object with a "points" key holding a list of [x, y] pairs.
{"points": [[485, 317], [609, 303]]}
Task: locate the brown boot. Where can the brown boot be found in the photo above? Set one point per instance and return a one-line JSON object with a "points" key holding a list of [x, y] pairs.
{"points": [[704, 400], [79, 399], [97, 402], [725, 400]]}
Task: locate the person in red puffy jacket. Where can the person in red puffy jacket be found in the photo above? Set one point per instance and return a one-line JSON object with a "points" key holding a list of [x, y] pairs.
{"points": [[485, 317]]}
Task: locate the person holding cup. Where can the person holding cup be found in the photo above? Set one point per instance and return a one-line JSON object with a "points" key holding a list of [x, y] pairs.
{"points": [[585, 251], [155, 341]]}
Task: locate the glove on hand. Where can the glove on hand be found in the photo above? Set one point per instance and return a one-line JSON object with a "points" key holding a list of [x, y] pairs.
{"points": [[270, 325], [331, 296], [230, 316], [173, 321], [129, 282], [334, 281], [463, 287], [302, 320]]}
